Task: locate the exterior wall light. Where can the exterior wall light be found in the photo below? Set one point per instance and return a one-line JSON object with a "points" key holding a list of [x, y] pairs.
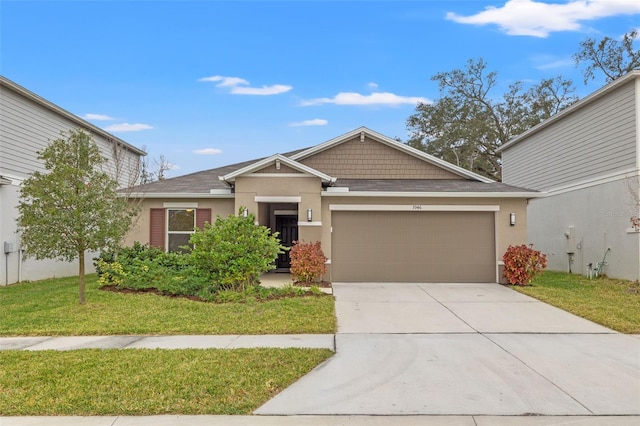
{"points": [[512, 219], [245, 212], [309, 215]]}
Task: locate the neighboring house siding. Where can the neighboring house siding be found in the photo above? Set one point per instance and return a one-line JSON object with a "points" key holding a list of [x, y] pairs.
{"points": [[373, 160], [27, 127], [27, 124], [598, 139], [599, 219]]}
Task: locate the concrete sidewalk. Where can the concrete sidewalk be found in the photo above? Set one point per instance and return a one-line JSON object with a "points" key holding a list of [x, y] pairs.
{"points": [[320, 341], [321, 421]]}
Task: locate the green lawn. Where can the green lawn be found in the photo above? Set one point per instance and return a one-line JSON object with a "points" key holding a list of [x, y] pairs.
{"points": [[50, 308], [609, 302], [146, 382]]}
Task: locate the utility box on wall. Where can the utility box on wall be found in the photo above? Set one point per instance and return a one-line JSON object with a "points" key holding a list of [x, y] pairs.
{"points": [[9, 247], [571, 240]]}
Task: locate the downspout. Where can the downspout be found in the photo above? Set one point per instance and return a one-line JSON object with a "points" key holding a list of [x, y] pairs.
{"points": [[637, 134]]}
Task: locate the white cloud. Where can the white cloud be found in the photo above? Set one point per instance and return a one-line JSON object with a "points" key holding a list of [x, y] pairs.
{"points": [[97, 117], [377, 98], [276, 89], [126, 127], [560, 63], [314, 122], [373, 86], [225, 81], [207, 151], [240, 86], [537, 19]]}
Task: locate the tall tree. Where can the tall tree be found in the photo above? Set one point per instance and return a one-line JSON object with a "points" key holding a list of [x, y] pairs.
{"points": [[469, 121], [73, 207], [613, 58]]}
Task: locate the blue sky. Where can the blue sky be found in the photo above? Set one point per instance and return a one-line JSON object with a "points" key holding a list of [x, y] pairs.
{"points": [[209, 83]]}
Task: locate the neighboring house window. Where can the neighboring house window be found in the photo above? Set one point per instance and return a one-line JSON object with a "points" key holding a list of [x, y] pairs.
{"points": [[171, 228], [180, 225]]}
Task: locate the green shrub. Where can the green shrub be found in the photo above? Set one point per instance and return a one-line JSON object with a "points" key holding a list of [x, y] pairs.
{"points": [[126, 255], [522, 263], [234, 251], [142, 268], [308, 262]]}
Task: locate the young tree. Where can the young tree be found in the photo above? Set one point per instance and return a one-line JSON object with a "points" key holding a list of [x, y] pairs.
{"points": [[611, 57], [153, 171], [74, 207], [469, 121]]}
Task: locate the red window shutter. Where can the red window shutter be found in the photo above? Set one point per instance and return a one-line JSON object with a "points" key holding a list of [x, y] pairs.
{"points": [[202, 216], [157, 228]]}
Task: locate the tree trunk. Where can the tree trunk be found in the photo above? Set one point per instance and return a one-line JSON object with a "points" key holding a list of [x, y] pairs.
{"points": [[81, 276]]}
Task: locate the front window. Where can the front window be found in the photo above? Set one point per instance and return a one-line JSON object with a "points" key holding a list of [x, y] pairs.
{"points": [[181, 224]]}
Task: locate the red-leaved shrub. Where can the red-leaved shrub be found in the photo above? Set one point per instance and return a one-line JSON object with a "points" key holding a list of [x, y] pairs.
{"points": [[307, 261], [522, 263]]}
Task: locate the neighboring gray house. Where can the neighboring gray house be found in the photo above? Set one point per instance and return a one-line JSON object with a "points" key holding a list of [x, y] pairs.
{"points": [[587, 161], [27, 124]]}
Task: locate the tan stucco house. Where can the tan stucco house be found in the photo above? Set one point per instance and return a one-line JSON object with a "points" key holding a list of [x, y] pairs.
{"points": [[382, 210]]}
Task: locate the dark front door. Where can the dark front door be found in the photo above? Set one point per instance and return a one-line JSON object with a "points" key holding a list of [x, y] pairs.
{"points": [[287, 227]]}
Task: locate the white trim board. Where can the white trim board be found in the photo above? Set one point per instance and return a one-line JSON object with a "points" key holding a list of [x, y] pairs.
{"points": [[174, 195], [279, 175], [414, 208], [601, 180], [277, 199], [434, 194], [184, 205]]}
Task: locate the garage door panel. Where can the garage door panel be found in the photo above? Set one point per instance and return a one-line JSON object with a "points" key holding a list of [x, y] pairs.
{"points": [[413, 246]]}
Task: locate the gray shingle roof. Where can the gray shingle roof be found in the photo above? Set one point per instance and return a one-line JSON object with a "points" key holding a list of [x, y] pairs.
{"points": [[198, 182], [203, 182], [425, 185]]}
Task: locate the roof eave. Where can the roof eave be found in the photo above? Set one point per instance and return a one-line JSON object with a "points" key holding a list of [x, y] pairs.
{"points": [[174, 195], [55, 108], [230, 177], [447, 194]]}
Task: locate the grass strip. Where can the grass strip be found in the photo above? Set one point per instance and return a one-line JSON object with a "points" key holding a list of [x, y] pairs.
{"points": [[609, 302], [95, 382], [50, 308]]}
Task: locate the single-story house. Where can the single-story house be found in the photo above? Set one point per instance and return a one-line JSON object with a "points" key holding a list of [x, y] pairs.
{"points": [[383, 211], [28, 123], [586, 160]]}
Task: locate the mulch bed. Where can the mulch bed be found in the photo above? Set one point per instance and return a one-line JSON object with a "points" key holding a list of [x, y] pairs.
{"points": [[155, 291], [322, 284], [150, 290]]}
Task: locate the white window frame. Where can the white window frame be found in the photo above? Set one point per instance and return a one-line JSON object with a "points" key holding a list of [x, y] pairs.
{"points": [[169, 232]]}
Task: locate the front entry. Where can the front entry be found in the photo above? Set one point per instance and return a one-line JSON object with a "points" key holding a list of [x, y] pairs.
{"points": [[287, 227]]}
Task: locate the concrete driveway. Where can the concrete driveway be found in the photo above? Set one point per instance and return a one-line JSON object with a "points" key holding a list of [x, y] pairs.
{"points": [[464, 349]]}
